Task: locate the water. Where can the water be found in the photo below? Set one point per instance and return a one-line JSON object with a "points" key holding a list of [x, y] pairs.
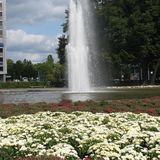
{"points": [[77, 49], [57, 95], [29, 96]]}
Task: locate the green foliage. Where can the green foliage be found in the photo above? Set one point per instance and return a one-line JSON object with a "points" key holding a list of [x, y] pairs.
{"points": [[50, 71], [28, 69], [50, 59], [113, 137], [7, 153], [130, 31], [82, 150], [65, 24], [105, 120], [130, 25], [21, 69], [41, 158], [59, 73], [71, 158], [152, 129], [10, 68], [61, 51], [47, 71], [65, 130], [22, 85]]}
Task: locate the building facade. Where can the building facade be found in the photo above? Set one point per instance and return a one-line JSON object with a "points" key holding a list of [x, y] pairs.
{"points": [[3, 63]]}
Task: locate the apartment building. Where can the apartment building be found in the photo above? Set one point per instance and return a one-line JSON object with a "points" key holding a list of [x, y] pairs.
{"points": [[3, 65]]}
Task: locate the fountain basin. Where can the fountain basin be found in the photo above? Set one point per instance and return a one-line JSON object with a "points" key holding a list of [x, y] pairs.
{"points": [[56, 95]]}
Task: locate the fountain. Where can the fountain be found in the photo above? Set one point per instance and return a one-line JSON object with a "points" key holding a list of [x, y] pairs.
{"points": [[81, 53], [77, 49]]}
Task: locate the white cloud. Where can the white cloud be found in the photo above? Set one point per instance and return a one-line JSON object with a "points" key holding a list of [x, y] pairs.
{"points": [[33, 11], [34, 47], [21, 14], [21, 41]]}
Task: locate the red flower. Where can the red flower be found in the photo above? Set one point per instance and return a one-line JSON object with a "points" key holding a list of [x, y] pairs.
{"points": [[151, 111], [108, 110], [65, 103], [87, 158], [139, 111]]}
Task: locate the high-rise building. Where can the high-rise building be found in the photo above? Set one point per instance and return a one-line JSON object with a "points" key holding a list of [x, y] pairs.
{"points": [[3, 65]]}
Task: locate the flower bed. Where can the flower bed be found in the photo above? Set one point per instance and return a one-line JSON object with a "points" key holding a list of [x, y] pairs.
{"points": [[79, 135], [147, 105]]}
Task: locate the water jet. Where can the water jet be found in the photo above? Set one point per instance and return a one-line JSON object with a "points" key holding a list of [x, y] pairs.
{"points": [[77, 49]]}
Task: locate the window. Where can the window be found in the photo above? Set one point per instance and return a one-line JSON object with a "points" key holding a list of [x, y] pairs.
{"points": [[1, 50], [1, 33], [1, 45], [1, 61], [1, 25], [1, 15], [1, 68]]}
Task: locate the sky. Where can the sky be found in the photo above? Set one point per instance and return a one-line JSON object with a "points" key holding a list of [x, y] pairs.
{"points": [[33, 27]]}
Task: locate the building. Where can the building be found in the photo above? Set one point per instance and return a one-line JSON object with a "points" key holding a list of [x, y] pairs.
{"points": [[3, 63]]}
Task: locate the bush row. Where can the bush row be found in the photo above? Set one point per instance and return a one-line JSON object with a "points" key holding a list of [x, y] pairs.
{"points": [[9, 85]]}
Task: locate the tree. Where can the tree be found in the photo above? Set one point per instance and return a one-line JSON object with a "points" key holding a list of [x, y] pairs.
{"points": [[65, 24], [29, 70], [10, 68], [63, 40], [61, 50], [18, 69], [44, 69], [50, 59], [58, 74], [59, 70], [132, 30]]}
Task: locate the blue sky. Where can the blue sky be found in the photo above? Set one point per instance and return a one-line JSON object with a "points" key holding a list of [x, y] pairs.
{"points": [[48, 28], [33, 27]]}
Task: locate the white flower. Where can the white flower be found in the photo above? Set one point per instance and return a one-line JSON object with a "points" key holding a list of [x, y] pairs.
{"points": [[118, 135], [23, 148]]}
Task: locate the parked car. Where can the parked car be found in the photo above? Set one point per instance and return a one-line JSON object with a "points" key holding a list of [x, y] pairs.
{"points": [[25, 79]]}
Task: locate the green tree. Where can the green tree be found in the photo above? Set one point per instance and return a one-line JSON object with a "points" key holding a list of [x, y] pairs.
{"points": [[58, 74], [51, 72], [61, 50], [10, 68], [28, 70], [18, 69], [65, 24], [131, 28], [63, 40], [50, 59], [44, 69]]}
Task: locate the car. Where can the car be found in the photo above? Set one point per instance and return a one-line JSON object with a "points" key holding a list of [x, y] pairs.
{"points": [[25, 79]]}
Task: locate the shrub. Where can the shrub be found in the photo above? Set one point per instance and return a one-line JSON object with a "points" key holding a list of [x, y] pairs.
{"points": [[9, 85]]}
